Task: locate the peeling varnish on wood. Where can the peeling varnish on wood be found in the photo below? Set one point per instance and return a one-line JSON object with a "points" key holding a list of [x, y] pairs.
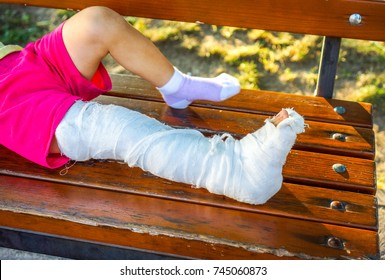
{"points": [[155, 231]]}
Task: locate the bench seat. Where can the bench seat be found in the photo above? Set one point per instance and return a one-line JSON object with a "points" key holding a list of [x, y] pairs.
{"points": [[318, 214]]}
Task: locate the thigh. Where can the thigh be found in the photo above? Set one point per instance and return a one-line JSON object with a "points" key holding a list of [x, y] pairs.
{"points": [[83, 41], [56, 56]]}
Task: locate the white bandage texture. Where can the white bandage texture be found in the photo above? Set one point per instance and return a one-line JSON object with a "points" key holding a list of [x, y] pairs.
{"points": [[248, 170]]}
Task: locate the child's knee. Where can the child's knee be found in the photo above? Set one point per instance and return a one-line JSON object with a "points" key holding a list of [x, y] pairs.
{"points": [[100, 20], [100, 12]]}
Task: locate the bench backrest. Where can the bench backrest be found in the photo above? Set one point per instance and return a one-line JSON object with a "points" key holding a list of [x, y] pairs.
{"points": [[319, 17]]}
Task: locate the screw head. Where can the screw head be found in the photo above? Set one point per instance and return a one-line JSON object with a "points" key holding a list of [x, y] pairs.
{"points": [[339, 168], [335, 242], [355, 19], [339, 137], [337, 205], [340, 110]]}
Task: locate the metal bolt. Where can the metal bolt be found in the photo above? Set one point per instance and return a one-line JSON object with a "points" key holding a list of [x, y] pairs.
{"points": [[337, 205], [335, 242], [355, 19], [339, 137], [339, 168], [340, 110]]}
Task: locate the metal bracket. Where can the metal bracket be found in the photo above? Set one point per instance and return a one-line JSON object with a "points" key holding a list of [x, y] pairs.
{"points": [[328, 67]]}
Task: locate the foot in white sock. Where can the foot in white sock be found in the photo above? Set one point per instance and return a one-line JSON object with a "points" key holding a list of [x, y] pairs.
{"points": [[181, 90]]}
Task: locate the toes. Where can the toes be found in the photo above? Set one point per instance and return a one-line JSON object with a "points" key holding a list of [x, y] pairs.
{"points": [[230, 86], [282, 115], [295, 121]]}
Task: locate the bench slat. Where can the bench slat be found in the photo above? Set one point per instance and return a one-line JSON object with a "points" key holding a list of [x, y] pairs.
{"points": [[259, 102], [358, 141], [294, 200], [319, 17], [107, 236], [317, 169], [126, 213]]}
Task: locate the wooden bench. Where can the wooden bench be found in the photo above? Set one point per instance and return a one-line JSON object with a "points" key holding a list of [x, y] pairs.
{"points": [[325, 209]]}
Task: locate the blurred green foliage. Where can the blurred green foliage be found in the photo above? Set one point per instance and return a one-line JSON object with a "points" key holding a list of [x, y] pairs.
{"points": [[20, 25]]}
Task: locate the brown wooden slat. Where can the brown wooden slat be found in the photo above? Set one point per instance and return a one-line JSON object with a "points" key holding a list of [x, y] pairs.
{"points": [[115, 211], [260, 102], [329, 18], [293, 200], [123, 238], [317, 169], [318, 137]]}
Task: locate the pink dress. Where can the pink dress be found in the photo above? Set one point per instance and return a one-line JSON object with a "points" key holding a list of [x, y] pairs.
{"points": [[37, 87]]}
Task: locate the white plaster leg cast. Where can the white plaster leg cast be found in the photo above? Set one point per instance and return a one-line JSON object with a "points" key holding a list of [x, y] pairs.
{"points": [[248, 170]]}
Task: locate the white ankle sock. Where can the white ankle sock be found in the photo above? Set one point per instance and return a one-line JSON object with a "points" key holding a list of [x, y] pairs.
{"points": [[182, 89], [248, 170]]}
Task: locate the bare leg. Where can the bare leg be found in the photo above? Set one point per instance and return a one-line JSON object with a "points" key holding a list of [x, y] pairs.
{"points": [[94, 32], [97, 31]]}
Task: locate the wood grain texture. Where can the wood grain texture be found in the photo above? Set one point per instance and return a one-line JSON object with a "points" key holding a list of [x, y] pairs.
{"points": [[56, 205], [319, 17]]}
